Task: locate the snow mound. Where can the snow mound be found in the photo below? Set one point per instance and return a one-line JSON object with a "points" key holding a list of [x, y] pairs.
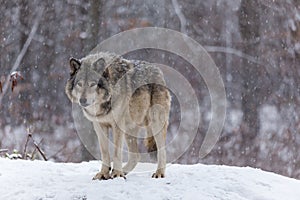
{"points": [[21, 179]]}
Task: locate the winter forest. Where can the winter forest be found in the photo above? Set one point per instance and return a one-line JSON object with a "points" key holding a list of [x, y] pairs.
{"points": [[255, 45]]}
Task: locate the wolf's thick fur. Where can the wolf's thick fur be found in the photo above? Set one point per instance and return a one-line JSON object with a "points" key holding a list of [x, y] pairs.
{"points": [[123, 95]]}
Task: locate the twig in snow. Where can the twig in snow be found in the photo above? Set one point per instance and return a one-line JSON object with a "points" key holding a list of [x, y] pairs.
{"points": [[26, 144], [35, 149], [40, 151], [29, 137], [33, 154]]}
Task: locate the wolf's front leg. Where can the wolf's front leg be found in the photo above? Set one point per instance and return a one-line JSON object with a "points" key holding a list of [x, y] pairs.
{"points": [[102, 133], [117, 158]]}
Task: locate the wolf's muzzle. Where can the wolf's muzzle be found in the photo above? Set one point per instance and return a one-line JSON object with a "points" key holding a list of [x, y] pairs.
{"points": [[83, 102]]}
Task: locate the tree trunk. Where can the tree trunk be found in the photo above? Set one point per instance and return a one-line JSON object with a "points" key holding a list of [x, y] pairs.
{"points": [[249, 28], [93, 24]]}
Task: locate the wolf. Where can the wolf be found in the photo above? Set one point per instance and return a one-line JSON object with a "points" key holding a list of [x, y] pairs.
{"points": [[124, 96]]}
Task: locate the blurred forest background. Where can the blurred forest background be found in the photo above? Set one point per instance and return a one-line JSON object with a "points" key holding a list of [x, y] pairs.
{"points": [[255, 44]]}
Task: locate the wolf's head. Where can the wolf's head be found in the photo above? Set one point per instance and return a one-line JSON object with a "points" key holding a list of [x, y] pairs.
{"points": [[88, 84]]}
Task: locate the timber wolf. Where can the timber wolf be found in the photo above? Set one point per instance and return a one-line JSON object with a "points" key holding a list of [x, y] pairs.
{"points": [[122, 95]]}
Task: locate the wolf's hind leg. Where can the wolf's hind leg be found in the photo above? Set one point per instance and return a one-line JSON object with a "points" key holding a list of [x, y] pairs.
{"points": [[159, 117], [161, 153], [133, 153]]}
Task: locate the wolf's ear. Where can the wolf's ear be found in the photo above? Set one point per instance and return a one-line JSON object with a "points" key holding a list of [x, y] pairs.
{"points": [[110, 76], [74, 65], [99, 65]]}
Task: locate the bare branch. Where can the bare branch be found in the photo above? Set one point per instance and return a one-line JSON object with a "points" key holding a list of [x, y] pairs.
{"points": [[211, 48], [35, 149], [37, 37], [40, 150], [180, 16], [232, 51], [29, 137], [26, 144], [23, 52]]}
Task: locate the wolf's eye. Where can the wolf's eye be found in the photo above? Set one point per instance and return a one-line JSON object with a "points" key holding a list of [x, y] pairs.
{"points": [[92, 84]]}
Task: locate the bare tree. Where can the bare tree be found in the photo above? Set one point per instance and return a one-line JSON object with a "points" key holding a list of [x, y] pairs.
{"points": [[249, 22]]}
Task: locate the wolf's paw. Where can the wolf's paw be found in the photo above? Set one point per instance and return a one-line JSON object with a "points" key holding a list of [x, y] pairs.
{"points": [[127, 169], [159, 174], [102, 176], [117, 173]]}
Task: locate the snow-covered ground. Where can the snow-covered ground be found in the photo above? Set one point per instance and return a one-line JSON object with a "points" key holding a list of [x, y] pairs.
{"points": [[40, 180]]}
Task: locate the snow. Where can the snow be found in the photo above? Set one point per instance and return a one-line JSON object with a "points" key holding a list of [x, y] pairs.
{"points": [[20, 179]]}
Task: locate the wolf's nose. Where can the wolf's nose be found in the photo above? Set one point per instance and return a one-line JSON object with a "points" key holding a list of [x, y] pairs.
{"points": [[82, 101]]}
